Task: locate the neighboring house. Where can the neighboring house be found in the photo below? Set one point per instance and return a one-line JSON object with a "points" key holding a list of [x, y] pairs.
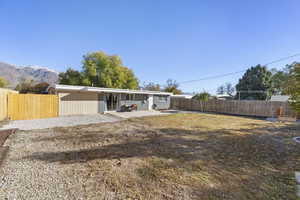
{"points": [[8, 90], [182, 96], [281, 98], [224, 97], [74, 100]]}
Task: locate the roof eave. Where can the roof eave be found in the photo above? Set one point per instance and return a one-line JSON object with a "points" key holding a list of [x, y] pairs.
{"points": [[100, 90]]}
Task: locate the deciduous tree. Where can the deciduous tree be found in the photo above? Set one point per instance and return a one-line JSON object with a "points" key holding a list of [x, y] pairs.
{"points": [[279, 80], [226, 89], [25, 86], [40, 88], [294, 89], [172, 86], [3, 82], [102, 70], [70, 77], [151, 86]]}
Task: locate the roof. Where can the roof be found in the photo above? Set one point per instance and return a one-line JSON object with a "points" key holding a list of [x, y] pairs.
{"points": [[185, 96], [282, 98], [110, 90], [224, 97]]}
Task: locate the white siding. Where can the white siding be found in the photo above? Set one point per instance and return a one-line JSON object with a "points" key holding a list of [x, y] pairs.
{"points": [[78, 103]]}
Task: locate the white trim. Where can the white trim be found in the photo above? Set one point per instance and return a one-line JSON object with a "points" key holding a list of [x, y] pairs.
{"points": [[111, 90]]}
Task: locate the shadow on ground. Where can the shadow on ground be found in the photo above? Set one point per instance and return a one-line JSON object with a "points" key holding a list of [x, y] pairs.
{"points": [[185, 145], [228, 163]]}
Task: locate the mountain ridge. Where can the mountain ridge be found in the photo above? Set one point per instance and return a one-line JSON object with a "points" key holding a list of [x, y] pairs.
{"points": [[14, 74]]}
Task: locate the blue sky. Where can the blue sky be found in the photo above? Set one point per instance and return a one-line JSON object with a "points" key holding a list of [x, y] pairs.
{"points": [[182, 40]]}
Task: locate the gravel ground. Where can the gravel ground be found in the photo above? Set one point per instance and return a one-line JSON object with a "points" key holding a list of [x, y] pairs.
{"points": [[65, 121], [22, 178], [171, 157]]}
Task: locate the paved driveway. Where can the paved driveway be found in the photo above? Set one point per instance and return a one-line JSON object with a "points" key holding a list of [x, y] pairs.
{"points": [[64, 121]]}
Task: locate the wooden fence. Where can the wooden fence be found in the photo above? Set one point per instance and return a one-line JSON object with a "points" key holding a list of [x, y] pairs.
{"points": [[247, 108], [3, 102], [31, 106]]}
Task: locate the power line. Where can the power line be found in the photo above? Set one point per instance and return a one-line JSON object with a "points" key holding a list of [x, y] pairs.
{"points": [[212, 77], [237, 72], [281, 59]]}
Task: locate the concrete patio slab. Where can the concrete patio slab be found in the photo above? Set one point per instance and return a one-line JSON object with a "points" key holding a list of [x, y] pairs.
{"points": [[126, 115]]}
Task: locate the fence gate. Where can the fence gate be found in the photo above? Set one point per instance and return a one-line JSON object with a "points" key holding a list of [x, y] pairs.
{"points": [[31, 106]]}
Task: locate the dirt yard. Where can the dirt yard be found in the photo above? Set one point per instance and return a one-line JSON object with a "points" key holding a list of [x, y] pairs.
{"points": [[179, 156]]}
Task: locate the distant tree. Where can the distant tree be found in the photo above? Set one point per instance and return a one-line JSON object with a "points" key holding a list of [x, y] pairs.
{"points": [[279, 80], [256, 78], [3, 82], [70, 77], [226, 89], [102, 70], [40, 88], [229, 89], [29, 86], [151, 86], [25, 86], [172, 86], [203, 96], [294, 89], [221, 89]]}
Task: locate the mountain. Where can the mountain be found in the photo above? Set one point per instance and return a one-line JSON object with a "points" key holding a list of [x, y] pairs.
{"points": [[14, 74]]}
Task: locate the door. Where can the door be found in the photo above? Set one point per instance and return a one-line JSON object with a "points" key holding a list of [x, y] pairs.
{"points": [[112, 101]]}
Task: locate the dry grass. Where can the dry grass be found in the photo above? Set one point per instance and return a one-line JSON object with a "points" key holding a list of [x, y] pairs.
{"points": [[181, 156]]}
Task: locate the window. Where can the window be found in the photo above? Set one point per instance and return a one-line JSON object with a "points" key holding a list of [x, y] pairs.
{"points": [[140, 97], [162, 98], [129, 97]]}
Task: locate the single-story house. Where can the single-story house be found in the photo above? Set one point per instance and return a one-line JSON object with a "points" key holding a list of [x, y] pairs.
{"points": [[74, 100], [281, 98], [224, 97], [182, 96]]}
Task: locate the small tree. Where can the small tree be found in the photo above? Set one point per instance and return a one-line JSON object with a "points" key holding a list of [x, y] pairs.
{"points": [[172, 86], [3, 82], [295, 88], [203, 96]]}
